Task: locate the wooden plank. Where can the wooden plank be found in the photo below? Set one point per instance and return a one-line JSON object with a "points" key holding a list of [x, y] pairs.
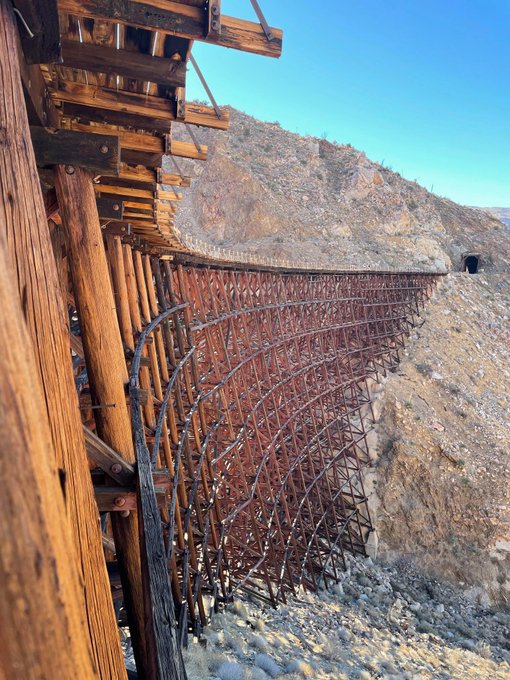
{"points": [[151, 112], [137, 141], [106, 368], [41, 17], [107, 459], [126, 63], [98, 153], [23, 225], [150, 176], [175, 18], [188, 150]]}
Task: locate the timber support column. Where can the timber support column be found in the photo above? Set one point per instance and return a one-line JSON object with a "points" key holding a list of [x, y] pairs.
{"points": [[26, 236], [106, 369], [42, 635]]}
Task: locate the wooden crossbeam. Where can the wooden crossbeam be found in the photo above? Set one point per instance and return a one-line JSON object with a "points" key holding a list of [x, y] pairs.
{"points": [[141, 174], [98, 153], [188, 150], [175, 18], [138, 193], [146, 112], [137, 141], [126, 63]]}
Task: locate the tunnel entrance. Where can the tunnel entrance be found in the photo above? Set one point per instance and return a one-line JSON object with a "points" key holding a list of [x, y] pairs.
{"points": [[470, 262]]}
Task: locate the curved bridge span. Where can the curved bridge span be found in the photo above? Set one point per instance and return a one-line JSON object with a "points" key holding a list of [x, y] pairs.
{"points": [[260, 408], [179, 422]]}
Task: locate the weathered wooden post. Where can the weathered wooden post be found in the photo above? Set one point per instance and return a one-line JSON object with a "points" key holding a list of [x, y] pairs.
{"points": [[43, 634], [24, 229], [107, 372]]}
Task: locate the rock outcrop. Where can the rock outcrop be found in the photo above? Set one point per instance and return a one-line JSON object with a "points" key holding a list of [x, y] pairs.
{"points": [[271, 191]]}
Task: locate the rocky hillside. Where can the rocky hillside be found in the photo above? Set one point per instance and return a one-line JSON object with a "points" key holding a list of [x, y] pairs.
{"points": [[502, 214], [380, 622], [440, 481], [268, 190]]}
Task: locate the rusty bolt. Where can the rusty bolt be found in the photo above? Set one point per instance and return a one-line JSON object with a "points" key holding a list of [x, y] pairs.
{"points": [[116, 468], [215, 9], [119, 502], [103, 148], [116, 206], [125, 513], [70, 169], [215, 24]]}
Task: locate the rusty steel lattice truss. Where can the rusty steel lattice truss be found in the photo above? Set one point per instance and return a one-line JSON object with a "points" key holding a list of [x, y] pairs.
{"points": [[262, 407]]}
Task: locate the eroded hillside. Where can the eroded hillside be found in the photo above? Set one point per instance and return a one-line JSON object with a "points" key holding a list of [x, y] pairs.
{"points": [[268, 190], [442, 476]]}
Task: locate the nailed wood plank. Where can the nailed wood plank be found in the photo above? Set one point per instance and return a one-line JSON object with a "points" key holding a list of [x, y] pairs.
{"points": [[152, 112], [178, 19], [126, 63], [98, 153]]}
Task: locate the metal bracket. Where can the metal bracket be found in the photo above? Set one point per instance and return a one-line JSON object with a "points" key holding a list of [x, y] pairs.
{"points": [[213, 18]]}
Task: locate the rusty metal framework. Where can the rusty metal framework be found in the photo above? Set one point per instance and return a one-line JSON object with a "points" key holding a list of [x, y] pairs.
{"points": [[259, 406]]}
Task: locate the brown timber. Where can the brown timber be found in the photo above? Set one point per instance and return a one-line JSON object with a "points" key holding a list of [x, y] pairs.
{"points": [[106, 368], [23, 220], [43, 634]]}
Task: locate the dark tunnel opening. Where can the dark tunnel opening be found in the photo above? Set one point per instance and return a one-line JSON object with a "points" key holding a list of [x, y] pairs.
{"points": [[470, 264]]}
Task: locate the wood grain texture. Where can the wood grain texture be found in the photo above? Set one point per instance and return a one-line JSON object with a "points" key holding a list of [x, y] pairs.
{"points": [[43, 635], [99, 154], [178, 19], [106, 368], [150, 110], [126, 63], [23, 224]]}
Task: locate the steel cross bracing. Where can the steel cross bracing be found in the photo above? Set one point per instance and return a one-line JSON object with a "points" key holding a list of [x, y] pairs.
{"points": [[259, 406]]}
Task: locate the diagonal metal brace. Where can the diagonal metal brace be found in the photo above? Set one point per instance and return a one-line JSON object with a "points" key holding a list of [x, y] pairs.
{"points": [[262, 20], [217, 109]]}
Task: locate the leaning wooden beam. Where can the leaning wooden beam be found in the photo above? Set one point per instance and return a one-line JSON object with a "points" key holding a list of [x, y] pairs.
{"points": [[23, 221], [107, 459], [126, 63], [175, 18], [107, 372], [43, 634], [146, 112]]}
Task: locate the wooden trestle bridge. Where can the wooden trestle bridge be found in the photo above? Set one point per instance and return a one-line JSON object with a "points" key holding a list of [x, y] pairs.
{"points": [[174, 426]]}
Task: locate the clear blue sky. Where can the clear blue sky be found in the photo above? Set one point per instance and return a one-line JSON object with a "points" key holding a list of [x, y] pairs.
{"points": [[422, 86]]}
